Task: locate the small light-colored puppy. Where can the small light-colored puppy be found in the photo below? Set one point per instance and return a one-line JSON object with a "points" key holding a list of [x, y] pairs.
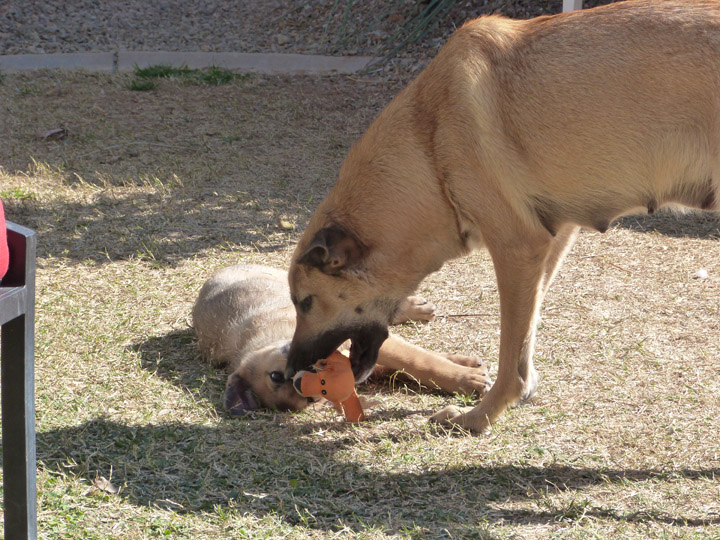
{"points": [[244, 320]]}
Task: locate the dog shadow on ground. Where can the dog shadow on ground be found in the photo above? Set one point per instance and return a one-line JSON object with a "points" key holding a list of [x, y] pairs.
{"points": [[175, 357], [679, 225], [268, 468]]}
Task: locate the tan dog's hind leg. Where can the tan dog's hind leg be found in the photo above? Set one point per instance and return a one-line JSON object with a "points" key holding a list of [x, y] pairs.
{"points": [[559, 248], [524, 272], [561, 245], [432, 369]]}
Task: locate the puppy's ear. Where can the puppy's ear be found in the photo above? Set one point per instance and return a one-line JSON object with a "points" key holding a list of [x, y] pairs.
{"points": [[333, 250], [239, 397]]}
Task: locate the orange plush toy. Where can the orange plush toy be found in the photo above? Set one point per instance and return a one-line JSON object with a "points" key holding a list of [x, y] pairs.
{"points": [[332, 378]]}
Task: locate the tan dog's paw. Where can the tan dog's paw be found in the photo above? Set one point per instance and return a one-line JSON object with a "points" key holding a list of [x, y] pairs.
{"points": [[453, 417], [415, 308], [469, 375], [445, 414]]}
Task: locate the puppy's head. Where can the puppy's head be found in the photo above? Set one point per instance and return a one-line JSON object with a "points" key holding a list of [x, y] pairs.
{"points": [[260, 383], [336, 299]]}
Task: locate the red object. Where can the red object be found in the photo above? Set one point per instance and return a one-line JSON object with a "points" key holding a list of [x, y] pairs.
{"points": [[4, 253], [332, 379]]}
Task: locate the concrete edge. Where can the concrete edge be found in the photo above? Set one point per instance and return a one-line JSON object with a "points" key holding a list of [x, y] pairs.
{"points": [[124, 61], [89, 61]]}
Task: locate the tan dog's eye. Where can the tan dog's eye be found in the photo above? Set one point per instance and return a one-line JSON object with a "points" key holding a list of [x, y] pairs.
{"points": [[277, 377], [306, 304]]}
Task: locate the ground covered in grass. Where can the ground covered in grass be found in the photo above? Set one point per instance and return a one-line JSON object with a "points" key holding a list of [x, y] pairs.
{"points": [[149, 192]]}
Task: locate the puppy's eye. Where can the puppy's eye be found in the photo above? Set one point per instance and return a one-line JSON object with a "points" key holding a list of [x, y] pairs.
{"points": [[277, 376], [306, 304]]}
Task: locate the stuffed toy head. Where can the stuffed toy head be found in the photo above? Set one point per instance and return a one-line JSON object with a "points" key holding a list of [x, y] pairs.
{"points": [[332, 378]]}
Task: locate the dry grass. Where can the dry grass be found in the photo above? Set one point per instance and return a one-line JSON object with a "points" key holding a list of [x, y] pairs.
{"points": [[152, 191]]}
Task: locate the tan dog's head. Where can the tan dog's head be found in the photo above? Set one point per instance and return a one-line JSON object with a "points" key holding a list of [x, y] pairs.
{"points": [[336, 300], [386, 224], [260, 382]]}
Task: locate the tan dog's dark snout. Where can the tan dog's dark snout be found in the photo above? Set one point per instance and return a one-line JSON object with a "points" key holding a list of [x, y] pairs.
{"points": [[364, 349]]}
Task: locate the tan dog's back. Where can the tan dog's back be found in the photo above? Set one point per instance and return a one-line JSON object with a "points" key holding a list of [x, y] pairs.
{"points": [[583, 117]]}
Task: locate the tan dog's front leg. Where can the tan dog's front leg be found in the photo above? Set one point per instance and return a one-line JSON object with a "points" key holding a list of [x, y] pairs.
{"points": [[434, 370], [521, 275]]}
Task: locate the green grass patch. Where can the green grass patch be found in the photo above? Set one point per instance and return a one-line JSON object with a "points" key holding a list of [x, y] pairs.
{"points": [[145, 78], [162, 71], [18, 193]]}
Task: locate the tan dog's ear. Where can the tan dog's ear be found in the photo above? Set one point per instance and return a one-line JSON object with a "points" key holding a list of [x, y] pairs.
{"points": [[332, 250]]}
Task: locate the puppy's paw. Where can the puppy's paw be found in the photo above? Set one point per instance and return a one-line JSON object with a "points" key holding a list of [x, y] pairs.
{"points": [[415, 308], [462, 360], [474, 380]]}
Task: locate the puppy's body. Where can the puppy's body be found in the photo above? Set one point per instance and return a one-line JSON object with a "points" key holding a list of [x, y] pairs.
{"points": [[242, 309], [516, 135], [244, 320]]}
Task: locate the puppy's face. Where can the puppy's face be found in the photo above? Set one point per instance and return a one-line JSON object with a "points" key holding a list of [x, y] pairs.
{"points": [[260, 383]]}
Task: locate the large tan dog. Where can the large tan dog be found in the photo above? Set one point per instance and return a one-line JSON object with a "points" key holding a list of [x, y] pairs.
{"points": [[244, 320], [516, 135]]}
